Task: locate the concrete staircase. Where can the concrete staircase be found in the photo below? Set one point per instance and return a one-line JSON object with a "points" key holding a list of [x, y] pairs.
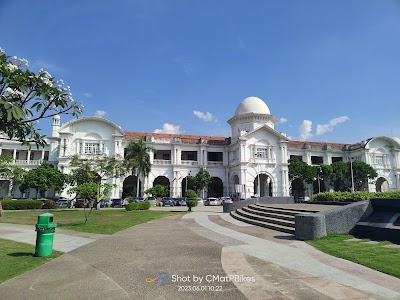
{"points": [[280, 219]]}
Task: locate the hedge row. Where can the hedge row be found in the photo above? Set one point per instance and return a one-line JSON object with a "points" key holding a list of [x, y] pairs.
{"points": [[353, 197], [21, 204], [145, 205]]}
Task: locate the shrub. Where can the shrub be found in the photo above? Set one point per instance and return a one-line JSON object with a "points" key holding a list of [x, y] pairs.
{"points": [[145, 205], [191, 203], [7, 198], [353, 197], [21, 204], [49, 204], [190, 194]]}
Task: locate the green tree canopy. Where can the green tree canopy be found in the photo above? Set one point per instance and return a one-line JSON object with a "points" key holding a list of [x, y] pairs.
{"points": [[299, 170], [10, 172], [94, 169], [157, 191], [43, 178], [26, 97], [202, 179]]}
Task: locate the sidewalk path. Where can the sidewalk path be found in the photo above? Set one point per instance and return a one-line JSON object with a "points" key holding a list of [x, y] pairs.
{"points": [[204, 245], [64, 240]]}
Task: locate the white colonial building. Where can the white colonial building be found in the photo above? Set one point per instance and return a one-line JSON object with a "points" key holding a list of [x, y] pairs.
{"points": [[252, 162]]}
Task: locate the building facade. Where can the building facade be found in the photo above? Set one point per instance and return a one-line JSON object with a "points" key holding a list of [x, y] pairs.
{"points": [[253, 161]]}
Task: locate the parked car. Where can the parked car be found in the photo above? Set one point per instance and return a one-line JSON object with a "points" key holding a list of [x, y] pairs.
{"points": [[62, 202], [117, 203], [180, 201], [212, 201], [226, 200], [167, 202], [200, 202], [136, 199], [81, 203], [152, 200]]}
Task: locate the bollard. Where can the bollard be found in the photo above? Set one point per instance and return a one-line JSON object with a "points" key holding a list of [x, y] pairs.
{"points": [[45, 235]]}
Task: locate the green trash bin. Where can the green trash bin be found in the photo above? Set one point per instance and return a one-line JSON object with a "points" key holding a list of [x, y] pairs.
{"points": [[45, 235]]}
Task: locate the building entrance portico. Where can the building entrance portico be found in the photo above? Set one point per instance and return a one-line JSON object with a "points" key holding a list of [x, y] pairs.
{"points": [[265, 188]]}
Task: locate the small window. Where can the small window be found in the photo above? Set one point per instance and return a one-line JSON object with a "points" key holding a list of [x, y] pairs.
{"points": [[317, 160], [261, 153], [336, 159], [92, 148], [299, 157], [379, 160]]}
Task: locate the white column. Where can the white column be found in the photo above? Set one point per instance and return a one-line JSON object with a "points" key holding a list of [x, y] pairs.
{"points": [[15, 154], [151, 154], [28, 157], [1, 150], [42, 156]]}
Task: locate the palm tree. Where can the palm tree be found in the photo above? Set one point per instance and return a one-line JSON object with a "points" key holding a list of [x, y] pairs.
{"points": [[138, 159]]}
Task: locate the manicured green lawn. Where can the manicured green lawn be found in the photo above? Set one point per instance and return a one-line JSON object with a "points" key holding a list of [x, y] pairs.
{"points": [[375, 256], [104, 221], [17, 258]]}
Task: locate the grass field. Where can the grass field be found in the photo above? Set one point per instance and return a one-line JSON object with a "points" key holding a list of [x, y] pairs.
{"points": [[17, 258], [105, 221], [386, 260]]}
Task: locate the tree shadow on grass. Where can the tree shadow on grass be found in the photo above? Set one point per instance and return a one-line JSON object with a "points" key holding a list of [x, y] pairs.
{"points": [[19, 254]]}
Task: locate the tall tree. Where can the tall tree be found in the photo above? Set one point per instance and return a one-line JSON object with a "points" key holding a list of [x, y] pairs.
{"points": [[26, 97], [362, 172], [43, 178], [88, 173], [95, 169], [11, 173], [300, 170], [138, 160], [202, 179]]}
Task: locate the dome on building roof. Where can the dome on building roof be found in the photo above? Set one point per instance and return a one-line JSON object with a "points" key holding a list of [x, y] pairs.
{"points": [[252, 105]]}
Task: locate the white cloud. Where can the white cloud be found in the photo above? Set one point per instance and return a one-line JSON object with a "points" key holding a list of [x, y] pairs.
{"points": [[322, 129], [204, 116], [88, 95], [282, 120], [100, 113], [305, 130], [169, 128]]}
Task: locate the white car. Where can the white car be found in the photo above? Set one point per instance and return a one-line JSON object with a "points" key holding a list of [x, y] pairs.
{"points": [[226, 200], [212, 201]]}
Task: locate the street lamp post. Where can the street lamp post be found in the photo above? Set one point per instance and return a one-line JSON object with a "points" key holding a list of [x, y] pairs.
{"points": [[257, 155], [187, 181], [319, 182], [352, 176]]}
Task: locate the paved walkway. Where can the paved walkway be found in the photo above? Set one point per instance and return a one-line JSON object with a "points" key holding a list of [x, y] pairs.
{"points": [[64, 240], [205, 245]]}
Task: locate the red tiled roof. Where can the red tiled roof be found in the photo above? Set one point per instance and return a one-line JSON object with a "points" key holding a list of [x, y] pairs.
{"points": [[315, 145], [219, 140], [185, 138]]}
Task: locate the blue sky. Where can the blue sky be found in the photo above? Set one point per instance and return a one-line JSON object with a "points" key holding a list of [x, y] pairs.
{"points": [[328, 70]]}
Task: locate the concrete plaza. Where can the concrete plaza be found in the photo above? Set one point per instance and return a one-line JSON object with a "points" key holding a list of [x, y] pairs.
{"points": [[202, 255]]}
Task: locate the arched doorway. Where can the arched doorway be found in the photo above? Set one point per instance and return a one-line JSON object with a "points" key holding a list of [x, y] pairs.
{"points": [[235, 188], [162, 180], [187, 184], [382, 185], [129, 187], [216, 187], [264, 189]]}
